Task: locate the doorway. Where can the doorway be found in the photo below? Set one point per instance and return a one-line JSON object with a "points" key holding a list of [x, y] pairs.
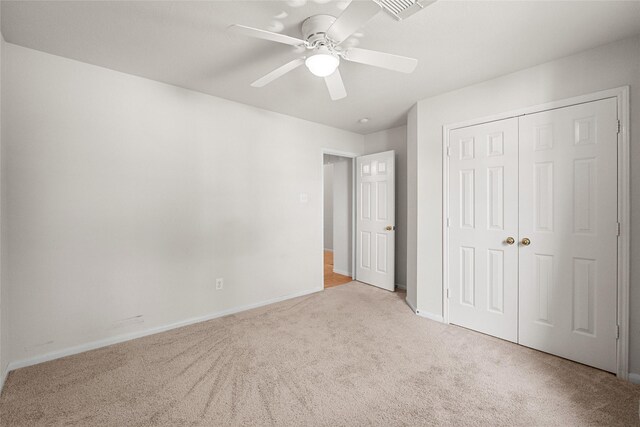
{"points": [[338, 219]]}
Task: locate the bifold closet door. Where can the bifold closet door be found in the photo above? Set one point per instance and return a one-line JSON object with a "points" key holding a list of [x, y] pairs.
{"points": [[483, 256], [568, 212]]}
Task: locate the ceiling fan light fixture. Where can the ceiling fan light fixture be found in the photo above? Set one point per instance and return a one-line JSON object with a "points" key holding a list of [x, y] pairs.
{"points": [[323, 63], [323, 35]]}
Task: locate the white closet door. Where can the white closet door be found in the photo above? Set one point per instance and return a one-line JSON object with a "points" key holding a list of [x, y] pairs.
{"points": [[568, 211], [375, 225], [483, 266]]}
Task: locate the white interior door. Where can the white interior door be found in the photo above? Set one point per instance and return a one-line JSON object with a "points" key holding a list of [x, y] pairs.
{"points": [[483, 228], [568, 211], [375, 224]]}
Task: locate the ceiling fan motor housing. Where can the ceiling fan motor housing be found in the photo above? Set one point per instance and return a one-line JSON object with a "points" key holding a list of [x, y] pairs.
{"points": [[314, 29]]}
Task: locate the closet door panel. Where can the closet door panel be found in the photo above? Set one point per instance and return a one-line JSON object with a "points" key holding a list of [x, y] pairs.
{"points": [[483, 203], [568, 211]]}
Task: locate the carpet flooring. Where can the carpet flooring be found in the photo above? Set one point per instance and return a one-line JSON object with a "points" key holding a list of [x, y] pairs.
{"points": [[351, 355]]}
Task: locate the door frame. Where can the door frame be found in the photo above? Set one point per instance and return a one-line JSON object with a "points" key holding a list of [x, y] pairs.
{"points": [[351, 156], [624, 207]]}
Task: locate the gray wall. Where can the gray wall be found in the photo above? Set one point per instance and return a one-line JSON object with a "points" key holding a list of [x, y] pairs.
{"points": [[128, 197], [605, 67], [328, 206], [342, 219], [395, 139], [4, 289], [412, 208]]}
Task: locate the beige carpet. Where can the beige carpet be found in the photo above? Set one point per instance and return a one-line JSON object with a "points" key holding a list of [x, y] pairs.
{"points": [[351, 355]]}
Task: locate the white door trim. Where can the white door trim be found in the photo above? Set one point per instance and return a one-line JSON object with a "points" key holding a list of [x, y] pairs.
{"points": [[351, 156], [624, 206]]}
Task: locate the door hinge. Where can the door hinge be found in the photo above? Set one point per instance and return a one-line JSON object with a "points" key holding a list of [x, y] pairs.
{"points": [[447, 293], [448, 151], [619, 126], [617, 228], [448, 222], [617, 332]]}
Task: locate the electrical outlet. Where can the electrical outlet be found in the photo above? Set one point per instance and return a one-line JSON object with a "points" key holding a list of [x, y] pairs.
{"points": [[219, 283]]}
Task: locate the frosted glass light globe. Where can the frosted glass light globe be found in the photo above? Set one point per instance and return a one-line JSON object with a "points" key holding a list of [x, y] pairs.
{"points": [[323, 63]]}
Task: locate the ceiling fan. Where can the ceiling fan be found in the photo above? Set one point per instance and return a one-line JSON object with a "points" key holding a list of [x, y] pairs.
{"points": [[322, 36]]}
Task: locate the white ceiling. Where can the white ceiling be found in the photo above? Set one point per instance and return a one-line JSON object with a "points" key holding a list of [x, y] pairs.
{"points": [[185, 44]]}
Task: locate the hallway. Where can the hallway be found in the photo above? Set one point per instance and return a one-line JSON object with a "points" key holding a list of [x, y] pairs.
{"points": [[332, 279]]}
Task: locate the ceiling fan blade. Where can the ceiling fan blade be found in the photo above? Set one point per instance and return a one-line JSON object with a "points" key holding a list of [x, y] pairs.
{"points": [[335, 86], [354, 16], [278, 72], [265, 35], [381, 59]]}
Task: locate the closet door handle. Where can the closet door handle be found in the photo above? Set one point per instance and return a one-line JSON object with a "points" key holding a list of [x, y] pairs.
{"points": [[510, 240], [526, 241]]}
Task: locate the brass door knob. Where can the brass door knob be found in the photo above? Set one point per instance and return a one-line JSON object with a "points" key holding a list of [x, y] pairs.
{"points": [[389, 228], [525, 242], [510, 240]]}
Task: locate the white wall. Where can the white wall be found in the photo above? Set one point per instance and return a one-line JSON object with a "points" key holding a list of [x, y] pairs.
{"points": [[605, 67], [128, 197], [328, 206], [395, 139], [342, 216]]}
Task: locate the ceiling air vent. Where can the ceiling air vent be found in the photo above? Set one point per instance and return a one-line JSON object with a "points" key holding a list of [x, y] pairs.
{"points": [[402, 9]]}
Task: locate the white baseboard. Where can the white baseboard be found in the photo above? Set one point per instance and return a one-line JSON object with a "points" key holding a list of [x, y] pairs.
{"points": [[139, 334], [426, 315], [3, 376], [634, 378], [411, 306], [344, 273]]}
